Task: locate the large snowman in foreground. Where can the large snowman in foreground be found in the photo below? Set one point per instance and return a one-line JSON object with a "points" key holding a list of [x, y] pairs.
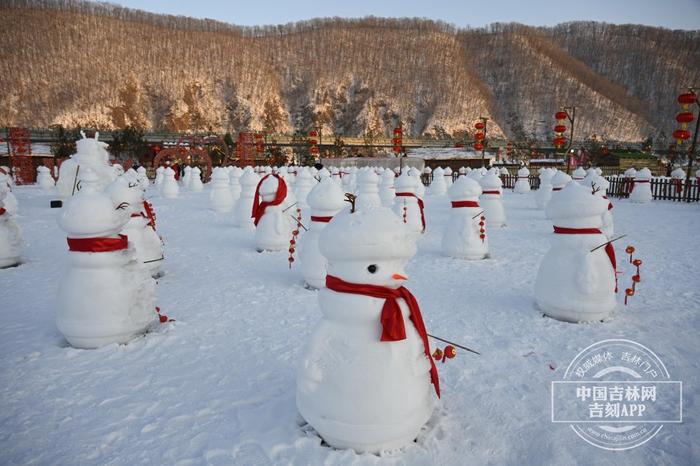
{"points": [[576, 279], [365, 381], [105, 296]]}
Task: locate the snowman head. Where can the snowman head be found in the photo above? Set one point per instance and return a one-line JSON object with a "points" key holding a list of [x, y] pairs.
{"points": [[576, 207], [406, 184], [464, 189], [369, 247], [268, 188], [91, 151]]}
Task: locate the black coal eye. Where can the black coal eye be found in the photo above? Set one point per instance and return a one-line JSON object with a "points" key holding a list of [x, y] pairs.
{"points": [[372, 268]]}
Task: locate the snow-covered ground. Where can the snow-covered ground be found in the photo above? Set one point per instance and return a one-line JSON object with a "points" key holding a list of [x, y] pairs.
{"points": [[218, 385]]}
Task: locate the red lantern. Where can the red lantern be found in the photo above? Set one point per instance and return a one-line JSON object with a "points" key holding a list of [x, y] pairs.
{"points": [[397, 130], [681, 134], [687, 98], [559, 141], [560, 129], [478, 146], [685, 117], [450, 351], [479, 136], [313, 133], [479, 126], [561, 115]]}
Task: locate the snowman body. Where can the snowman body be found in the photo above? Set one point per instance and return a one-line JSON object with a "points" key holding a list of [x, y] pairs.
{"points": [[438, 187], [574, 284], [244, 205], [104, 297], [490, 200], [325, 200], [420, 187], [522, 184], [641, 190], [274, 228], [463, 237], [220, 195], [355, 390], [10, 233], [406, 205], [169, 188]]}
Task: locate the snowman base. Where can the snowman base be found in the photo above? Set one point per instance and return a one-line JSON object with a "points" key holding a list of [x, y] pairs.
{"points": [[8, 263], [575, 316], [100, 341]]}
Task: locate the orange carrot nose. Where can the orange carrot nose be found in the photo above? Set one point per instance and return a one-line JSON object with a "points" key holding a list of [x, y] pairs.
{"points": [[398, 276]]}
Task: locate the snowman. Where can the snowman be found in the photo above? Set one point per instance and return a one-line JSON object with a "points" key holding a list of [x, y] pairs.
{"points": [[273, 227], [304, 184], [90, 153], [677, 179], [244, 205], [105, 296], [490, 200], [386, 188], [438, 187], [578, 174], [325, 200], [599, 187], [220, 195], [522, 184], [44, 178], [475, 175], [408, 206], [641, 188], [11, 205], [235, 182], [367, 190], [125, 191], [365, 380], [448, 177], [187, 178], [559, 180], [142, 176], [544, 192], [10, 233], [169, 189], [576, 278], [196, 180], [465, 234], [160, 171]]}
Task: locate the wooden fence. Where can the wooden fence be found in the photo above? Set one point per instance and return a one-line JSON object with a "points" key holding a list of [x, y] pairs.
{"points": [[662, 188]]}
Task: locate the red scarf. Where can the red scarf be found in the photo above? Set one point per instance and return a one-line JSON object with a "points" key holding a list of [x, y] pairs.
{"points": [[392, 320], [314, 218], [610, 206], [2, 211], [150, 214], [609, 248], [456, 204], [491, 192], [97, 244], [259, 207], [421, 205], [678, 183]]}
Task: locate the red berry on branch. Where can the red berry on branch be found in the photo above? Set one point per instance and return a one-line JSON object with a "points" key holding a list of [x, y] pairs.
{"points": [[291, 250], [450, 351], [629, 249], [636, 278], [163, 319], [437, 354], [637, 262], [295, 232], [629, 292]]}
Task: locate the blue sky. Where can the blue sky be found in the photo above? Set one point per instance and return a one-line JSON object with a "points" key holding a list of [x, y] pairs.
{"points": [[674, 14]]}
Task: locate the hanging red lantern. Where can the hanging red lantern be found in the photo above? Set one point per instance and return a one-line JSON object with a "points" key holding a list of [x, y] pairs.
{"points": [[480, 125], [313, 133], [685, 117], [478, 146], [479, 136], [559, 141], [397, 131], [561, 115], [687, 98], [560, 129], [681, 134]]}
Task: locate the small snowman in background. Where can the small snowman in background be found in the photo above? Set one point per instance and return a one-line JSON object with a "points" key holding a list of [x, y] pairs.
{"points": [[244, 205], [142, 177], [11, 205], [140, 230], [187, 178], [408, 206], [235, 182], [169, 189], [544, 192], [559, 180], [522, 184], [438, 187], [386, 188], [641, 189], [578, 175], [420, 187], [492, 189], [303, 186], [220, 195], [367, 190], [10, 233], [44, 179], [325, 200], [448, 177], [677, 179], [160, 171], [273, 227], [196, 180], [365, 379], [465, 234], [576, 278], [106, 296]]}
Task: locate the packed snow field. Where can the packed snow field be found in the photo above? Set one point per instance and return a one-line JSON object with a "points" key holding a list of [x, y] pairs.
{"points": [[217, 386]]}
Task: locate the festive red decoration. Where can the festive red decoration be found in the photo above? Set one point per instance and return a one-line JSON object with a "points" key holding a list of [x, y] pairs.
{"points": [[685, 117], [450, 351], [480, 125], [479, 136], [687, 98], [559, 141], [98, 244], [315, 218], [259, 207], [478, 146], [681, 134], [609, 248], [636, 278], [313, 133], [421, 206], [391, 318], [637, 262], [561, 115], [560, 129], [437, 354], [457, 204]]}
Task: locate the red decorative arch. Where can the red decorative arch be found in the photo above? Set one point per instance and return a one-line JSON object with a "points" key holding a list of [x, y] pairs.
{"points": [[189, 150]]}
